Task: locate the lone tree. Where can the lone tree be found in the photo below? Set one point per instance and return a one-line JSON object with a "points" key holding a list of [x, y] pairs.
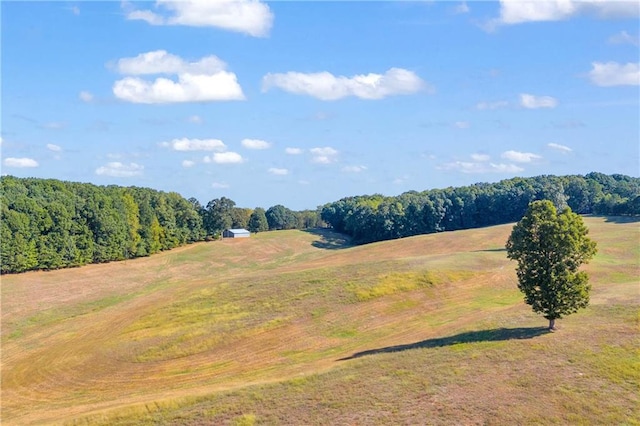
{"points": [[549, 248]]}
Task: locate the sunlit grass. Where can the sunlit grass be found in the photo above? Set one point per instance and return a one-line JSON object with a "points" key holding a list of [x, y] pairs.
{"points": [[252, 332]]}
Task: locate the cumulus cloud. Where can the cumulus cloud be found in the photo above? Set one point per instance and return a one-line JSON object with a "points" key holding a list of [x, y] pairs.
{"points": [[354, 169], [188, 163], [325, 155], [255, 144], [20, 162], [163, 62], [219, 185], [492, 105], [327, 87], [518, 11], [558, 147], [53, 147], [85, 96], [186, 144], [200, 81], [245, 16], [118, 169], [534, 102], [224, 158], [222, 86], [520, 157], [278, 172], [480, 167], [293, 151], [609, 74]]}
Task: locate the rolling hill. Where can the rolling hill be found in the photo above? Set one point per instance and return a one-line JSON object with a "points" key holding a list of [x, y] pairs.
{"points": [[294, 327]]}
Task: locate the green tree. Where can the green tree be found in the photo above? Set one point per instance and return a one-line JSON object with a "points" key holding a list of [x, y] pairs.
{"points": [[258, 221], [549, 248]]}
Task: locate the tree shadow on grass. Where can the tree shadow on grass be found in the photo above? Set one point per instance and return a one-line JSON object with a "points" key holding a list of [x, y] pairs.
{"points": [[494, 335], [329, 239], [621, 219]]}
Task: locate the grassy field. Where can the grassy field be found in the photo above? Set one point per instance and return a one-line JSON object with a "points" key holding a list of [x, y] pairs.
{"points": [[295, 327]]}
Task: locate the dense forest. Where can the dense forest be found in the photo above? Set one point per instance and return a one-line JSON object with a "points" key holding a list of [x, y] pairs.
{"points": [[376, 217], [50, 224]]}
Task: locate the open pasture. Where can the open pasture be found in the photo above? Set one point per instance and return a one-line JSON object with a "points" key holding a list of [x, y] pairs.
{"points": [[294, 327]]}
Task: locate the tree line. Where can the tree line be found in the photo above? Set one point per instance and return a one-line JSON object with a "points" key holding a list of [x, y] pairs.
{"points": [[370, 218], [50, 224]]}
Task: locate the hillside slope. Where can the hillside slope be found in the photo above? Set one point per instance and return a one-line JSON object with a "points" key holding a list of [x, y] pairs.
{"points": [[301, 328]]}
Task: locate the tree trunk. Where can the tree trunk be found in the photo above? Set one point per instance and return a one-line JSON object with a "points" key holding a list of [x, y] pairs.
{"points": [[552, 324]]}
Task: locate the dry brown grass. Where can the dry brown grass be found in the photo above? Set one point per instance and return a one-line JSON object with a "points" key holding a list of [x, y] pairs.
{"points": [[244, 331]]}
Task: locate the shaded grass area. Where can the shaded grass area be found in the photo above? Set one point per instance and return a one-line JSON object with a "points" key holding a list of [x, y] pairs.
{"points": [[493, 335]]}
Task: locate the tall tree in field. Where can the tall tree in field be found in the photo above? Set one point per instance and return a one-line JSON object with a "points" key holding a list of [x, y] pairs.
{"points": [[549, 248]]}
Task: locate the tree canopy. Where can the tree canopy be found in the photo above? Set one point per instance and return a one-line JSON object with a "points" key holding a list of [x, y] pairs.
{"points": [[549, 248]]}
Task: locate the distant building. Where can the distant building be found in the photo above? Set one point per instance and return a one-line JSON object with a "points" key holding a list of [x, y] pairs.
{"points": [[236, 233]]}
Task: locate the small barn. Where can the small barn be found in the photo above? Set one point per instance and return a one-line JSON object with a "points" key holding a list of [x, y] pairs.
{"points": [[236, 233]]}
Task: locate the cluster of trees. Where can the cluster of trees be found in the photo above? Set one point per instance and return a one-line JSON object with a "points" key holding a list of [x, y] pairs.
{"points": [[221, 213], [375, 217], [50, 224]]}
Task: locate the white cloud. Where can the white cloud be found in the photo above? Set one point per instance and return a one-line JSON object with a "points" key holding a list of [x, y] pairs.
{"points": [[325, 155], [518, 11], [188, 163], [480, 157], [200, 81], [54, 148], [118, 169], [482, 167], [624, 37], [558, 147], [20, 162], [145, 15], [255, 144], [163, 62], [614, 74], [278, 172], [224, 158], [354, 169], [293, 151], [534, 102], [185, 144], [246, 16], [520, 157], [492, 105], [461, 124], [219, 185], [54, 125], [462, 8], [85, 96], [222, 86], [327, 87], [195, 119]]}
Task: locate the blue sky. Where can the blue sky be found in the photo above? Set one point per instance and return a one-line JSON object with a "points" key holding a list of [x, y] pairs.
{"points": [[302, 103]]}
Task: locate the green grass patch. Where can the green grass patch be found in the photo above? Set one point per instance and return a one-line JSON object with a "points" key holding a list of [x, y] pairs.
{"points": [[400, 282]]}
